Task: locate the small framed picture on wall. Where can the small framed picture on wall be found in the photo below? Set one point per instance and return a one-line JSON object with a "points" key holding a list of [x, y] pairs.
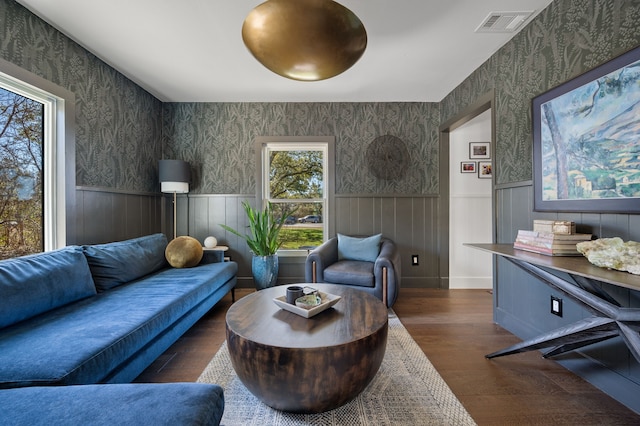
{"points": [[468, 167], [484, 170], [480, 150]]}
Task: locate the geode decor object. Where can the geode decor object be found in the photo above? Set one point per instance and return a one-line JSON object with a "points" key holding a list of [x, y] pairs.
{"points": [[612, 253]]}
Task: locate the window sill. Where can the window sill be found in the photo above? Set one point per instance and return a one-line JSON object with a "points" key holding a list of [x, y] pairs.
{"points": [[294, 253]]}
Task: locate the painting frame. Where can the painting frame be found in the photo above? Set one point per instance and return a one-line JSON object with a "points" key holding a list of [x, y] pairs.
{"points": [[571, 182], [480, 150], [467, 167], [485, 170]]}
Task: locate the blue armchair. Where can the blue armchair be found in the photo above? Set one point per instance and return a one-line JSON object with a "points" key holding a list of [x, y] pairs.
{"points": [[380, 278]]}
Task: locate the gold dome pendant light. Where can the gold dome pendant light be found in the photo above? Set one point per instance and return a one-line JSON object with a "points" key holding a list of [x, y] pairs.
{"points": [[306, 40]]}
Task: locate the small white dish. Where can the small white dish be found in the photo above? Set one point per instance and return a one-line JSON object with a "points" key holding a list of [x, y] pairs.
{"points": [[328, 300], [309, 301]]}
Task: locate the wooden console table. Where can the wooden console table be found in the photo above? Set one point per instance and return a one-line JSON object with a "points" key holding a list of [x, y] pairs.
{"points": [[609, 318]]}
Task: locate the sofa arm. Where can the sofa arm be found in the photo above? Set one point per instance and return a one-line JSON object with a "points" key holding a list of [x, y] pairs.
{"points": [[321, 257], [389, 258]]}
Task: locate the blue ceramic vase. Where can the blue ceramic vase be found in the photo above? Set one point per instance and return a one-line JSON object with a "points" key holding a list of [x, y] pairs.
{"points": [[265, 271]]}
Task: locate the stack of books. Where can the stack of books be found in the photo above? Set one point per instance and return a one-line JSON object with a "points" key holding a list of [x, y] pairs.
{"points": [[550, 243]]}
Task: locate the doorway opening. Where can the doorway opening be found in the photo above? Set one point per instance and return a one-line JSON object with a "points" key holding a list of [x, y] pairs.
{"points": [[457, 198]]}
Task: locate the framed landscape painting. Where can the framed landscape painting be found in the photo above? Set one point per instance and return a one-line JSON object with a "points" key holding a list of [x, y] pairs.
{"points": [[586, 141]]}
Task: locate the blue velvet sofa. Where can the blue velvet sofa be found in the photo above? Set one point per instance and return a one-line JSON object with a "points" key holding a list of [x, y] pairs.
{"points": [[100, 313], [135, 404]]}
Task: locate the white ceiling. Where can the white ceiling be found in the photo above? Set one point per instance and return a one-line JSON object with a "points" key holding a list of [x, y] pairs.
{"points": [[192, 50]]}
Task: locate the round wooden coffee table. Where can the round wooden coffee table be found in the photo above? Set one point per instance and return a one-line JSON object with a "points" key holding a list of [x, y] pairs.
{"points": [[307, 365]]}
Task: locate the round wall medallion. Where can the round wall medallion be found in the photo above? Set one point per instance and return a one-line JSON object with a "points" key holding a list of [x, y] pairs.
{"points": [[388, 157]]}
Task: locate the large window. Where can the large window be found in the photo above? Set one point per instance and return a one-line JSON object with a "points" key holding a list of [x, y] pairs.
{"points": [[32, 192], [296, 180]]}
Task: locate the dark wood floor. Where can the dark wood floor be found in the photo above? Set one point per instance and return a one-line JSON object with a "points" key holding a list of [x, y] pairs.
{"points": [[455, 330]]}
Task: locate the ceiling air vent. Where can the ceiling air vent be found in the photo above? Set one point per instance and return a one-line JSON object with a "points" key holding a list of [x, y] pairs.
{"points": [[503, 22]]}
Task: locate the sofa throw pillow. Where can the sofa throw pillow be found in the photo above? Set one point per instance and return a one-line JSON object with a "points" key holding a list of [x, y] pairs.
{"points": [[113, 264], [354, 248], [31, 285], [184, 252]]}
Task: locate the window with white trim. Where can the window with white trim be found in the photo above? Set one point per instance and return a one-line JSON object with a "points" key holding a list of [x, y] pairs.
{"points": [[296, 180], [28, 174]]}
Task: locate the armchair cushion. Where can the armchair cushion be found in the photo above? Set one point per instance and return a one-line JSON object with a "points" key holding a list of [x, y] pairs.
{"points": [[353, 272], [354, 248]]}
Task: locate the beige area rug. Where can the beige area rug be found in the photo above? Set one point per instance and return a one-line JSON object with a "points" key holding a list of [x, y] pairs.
{"points": [[406, 391]]}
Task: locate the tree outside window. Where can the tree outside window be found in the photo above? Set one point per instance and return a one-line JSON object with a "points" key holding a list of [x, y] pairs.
{"points": [[21, 175], [296, 189]]}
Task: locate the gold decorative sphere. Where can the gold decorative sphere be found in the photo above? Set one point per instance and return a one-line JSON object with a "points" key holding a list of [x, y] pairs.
{"points": [[184, 252]]}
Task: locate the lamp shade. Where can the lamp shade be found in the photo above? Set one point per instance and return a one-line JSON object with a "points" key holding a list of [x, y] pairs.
{"points": [[174, 176]]}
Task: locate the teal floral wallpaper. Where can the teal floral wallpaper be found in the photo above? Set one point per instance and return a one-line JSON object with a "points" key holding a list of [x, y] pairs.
{"points": [[567, 39], [218, 140], [118, 124]]}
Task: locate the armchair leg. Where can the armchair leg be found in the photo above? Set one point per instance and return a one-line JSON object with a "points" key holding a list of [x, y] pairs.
{"points": [[313, 272], [384, 286]]}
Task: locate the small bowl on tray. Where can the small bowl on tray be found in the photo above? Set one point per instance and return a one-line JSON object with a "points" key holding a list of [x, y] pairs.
{"points": [[308, 305]]}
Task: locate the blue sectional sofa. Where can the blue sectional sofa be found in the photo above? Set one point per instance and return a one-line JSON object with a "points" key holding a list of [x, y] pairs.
{"points": [[159, 404], [100, 313]]}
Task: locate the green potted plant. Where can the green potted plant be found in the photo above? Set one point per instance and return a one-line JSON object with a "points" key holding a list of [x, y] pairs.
{"points": [[263, 241]]}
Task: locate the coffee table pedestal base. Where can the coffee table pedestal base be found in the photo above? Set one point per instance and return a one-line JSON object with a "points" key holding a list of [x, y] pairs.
{"points": [[307, 380]]}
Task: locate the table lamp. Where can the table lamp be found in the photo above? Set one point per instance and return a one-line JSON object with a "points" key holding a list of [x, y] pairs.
{"points": [[174, 178]]}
